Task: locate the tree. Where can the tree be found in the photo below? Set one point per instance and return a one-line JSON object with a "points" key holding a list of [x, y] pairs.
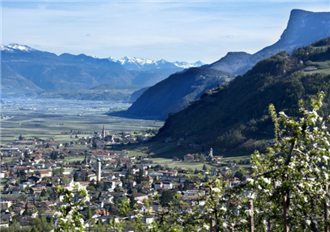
{"points": [[146, 203], [139, 178], [75, 176], [41, 224], [94, 144], [34, 229], [67, 215], [132, 201], [291, 179], [239, 175], [22, 174], [54, 155], [91, 188], [129, 175], [166, 197], [26, 210], [44, 193], [27, 155], [186, 185], [51, 221], [124, 207], [201, 158], [206, 179], [89, 213], [57, 171], [288, 188], [14, 226], [204, 167]]}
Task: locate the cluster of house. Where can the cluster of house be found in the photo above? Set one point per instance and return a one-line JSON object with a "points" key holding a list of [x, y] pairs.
{"points": [[209, 157], [31, 177], [108, 141]]}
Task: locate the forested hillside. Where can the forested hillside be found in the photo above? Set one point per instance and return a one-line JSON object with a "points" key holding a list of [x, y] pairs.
{"points": [[234, 118]]}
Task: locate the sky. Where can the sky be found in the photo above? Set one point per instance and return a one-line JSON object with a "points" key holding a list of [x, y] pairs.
{"points": [[186, 30]]}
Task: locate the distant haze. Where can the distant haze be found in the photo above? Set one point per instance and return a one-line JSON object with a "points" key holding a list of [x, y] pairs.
{"points": [[171, 30]]}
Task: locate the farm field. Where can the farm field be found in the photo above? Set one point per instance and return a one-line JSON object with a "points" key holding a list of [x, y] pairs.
{"points": [[57, 118], [46, 118]]}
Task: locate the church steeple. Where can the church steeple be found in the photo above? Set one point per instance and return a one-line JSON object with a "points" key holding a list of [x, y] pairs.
{"points": [[103, 132], [211, 154], [98, 170]]}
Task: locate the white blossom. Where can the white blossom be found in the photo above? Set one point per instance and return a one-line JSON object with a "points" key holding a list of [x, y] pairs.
{"points": [[267, 180], [249, 180]]}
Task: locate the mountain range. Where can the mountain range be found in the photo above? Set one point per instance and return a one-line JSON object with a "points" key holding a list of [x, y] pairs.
{"points": [[28, 70], [135, 63], [234, 119], [179, 90]]}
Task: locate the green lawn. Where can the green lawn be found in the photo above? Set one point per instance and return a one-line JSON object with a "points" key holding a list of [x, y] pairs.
{"points": [[322, 67], [7, 160], [75, 158], [235, 158], [180, 164], [136, 153]]}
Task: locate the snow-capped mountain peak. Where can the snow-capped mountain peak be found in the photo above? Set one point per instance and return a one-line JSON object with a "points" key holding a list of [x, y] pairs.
{"points": [[5, 48], [14, 47], [142, 61], [137, 63], [162, 61], [134, 60], [184, 64]]}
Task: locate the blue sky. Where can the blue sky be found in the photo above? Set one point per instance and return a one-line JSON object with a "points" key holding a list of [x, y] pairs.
{"points": [[164, 29]]}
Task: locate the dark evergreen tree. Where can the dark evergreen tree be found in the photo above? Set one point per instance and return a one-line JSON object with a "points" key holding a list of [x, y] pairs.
{"points": [[89, 213], [132, 201], [26, 210], [204, 167], [166, 198], [75, 176], [34, 229]]}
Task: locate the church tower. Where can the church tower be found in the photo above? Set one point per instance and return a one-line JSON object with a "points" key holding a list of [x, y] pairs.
{"points": [[211, 154], [103, 132], [98, 170]]}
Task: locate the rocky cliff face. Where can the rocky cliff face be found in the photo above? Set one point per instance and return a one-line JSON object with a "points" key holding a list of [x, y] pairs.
{"points": [[303, 28], [177, 91]]}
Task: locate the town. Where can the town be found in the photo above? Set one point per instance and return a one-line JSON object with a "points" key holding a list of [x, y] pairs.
{"points": [[33, 168]]}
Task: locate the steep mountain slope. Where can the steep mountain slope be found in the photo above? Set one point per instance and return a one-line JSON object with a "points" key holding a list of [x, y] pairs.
{"points": [[175, 92], [303, 28], [136, 94], [151, 77], [11, 81], [234, 119]]}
